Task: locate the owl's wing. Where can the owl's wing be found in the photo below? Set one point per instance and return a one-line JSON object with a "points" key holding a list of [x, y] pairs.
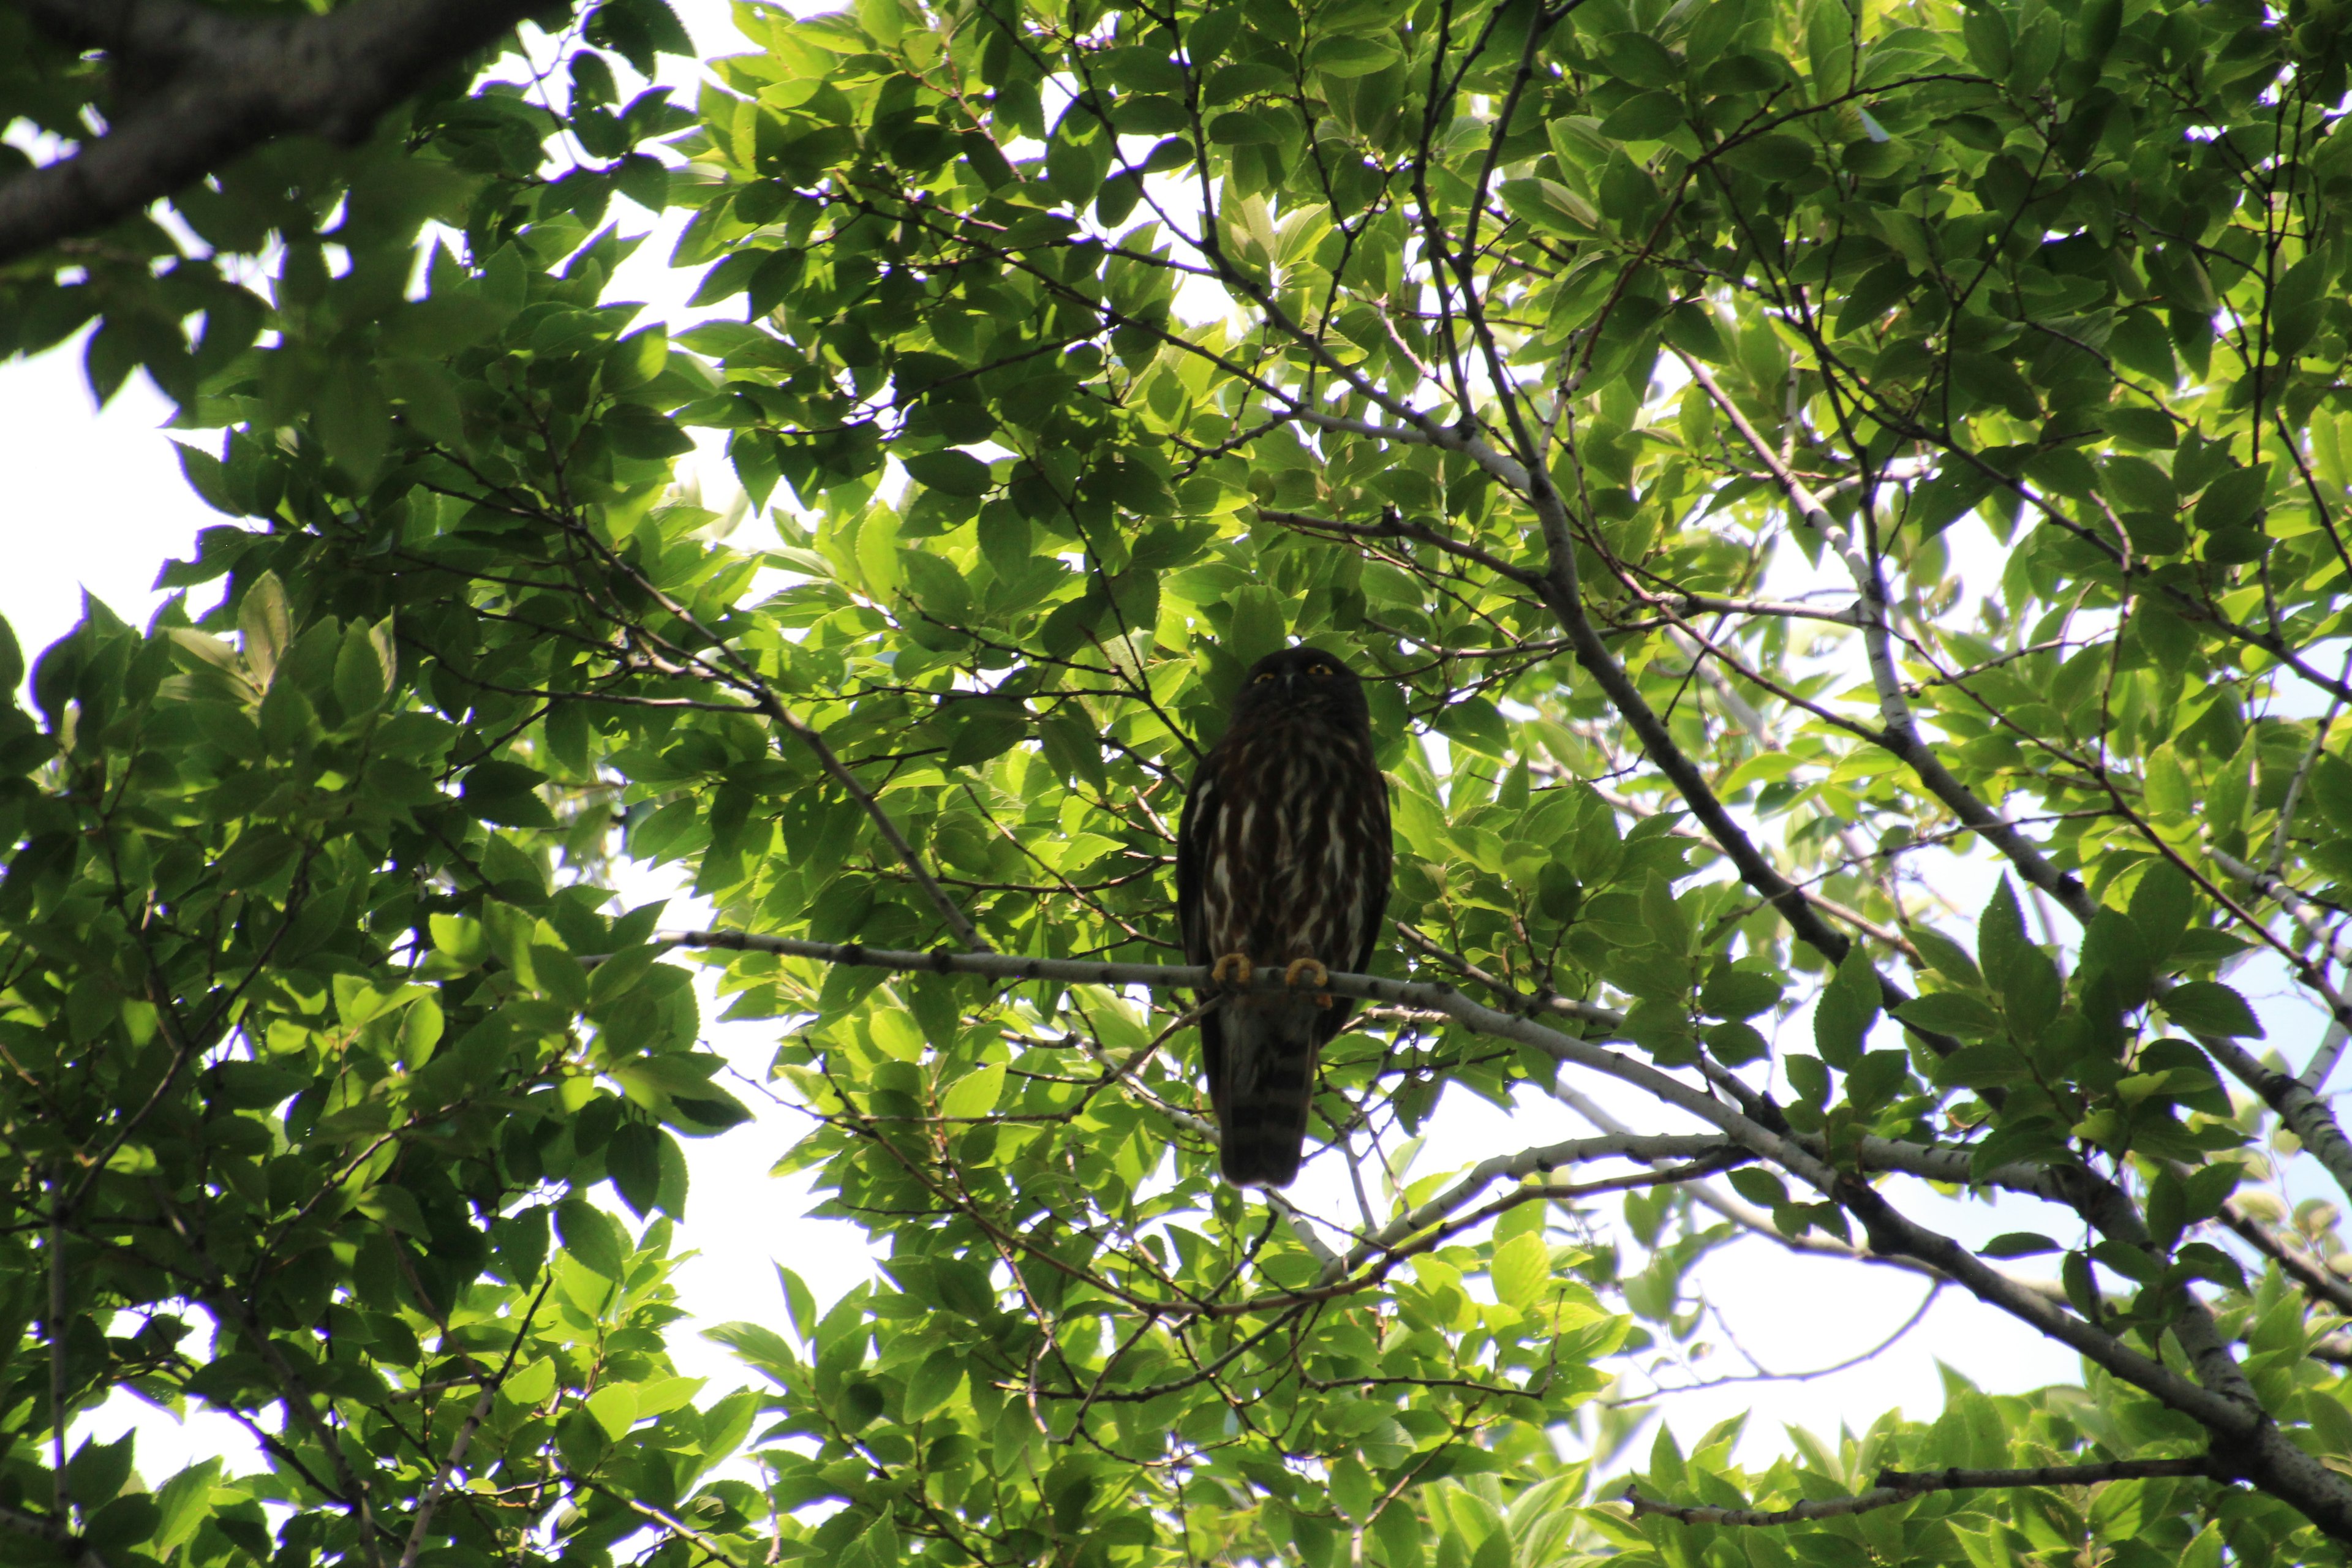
{"points": [[1378, 854], [1193, 835]]}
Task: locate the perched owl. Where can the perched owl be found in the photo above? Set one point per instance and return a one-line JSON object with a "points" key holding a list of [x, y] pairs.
{"points": [[1282, 862]]}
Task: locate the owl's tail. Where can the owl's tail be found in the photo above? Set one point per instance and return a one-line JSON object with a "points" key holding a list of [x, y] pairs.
{"points": [[1262, 1096]]}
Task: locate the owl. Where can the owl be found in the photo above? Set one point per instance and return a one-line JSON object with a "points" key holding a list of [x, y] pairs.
{"points": [[1282, 862]]}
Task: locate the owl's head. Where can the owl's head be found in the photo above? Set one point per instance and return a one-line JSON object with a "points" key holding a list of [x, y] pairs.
{"points": [[1304, 681]]}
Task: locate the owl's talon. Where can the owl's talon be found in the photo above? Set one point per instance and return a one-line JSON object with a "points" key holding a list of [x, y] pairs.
{"points": [[1300, 967], [1235, 969]]}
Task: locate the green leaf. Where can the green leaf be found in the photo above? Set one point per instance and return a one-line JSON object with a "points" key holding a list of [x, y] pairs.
{"points": [[591, 1236], [531, 1384], [2000, 930], [1874, 1079], [2207, 1006], [182, 1504], [1521, 1270], [123, 1524], [2115, 953], [632, 1159], [1639, 59], [265, 626], [2329, 787], [2138, 485], [2231, 501], [956, 473], [636, 431], [730, 277], [208, 476], [365, 666], [1847, 1008], [1735, 1044], [1350, 55], [614, 1408], [637, 359], [1950, 1013], [938, 589], [1945, 956], [1644, 117], [1549, 205], [1738, 994], [353, 421], [1240, 128], [975, 1094], [934, 1382], [879, 557], [1476, 724], [1991, 379], [506, 792], [2018, 1243], [1759, 1186], [1260, 625]]}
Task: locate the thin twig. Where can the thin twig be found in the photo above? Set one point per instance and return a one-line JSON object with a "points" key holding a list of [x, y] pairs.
{"points": [[1901, 1485]]}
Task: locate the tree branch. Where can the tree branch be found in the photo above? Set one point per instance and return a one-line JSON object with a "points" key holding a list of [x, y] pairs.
{"points": [[1901, 735], [79, 1553], [1526, 1162], [2304, 1113], [2317, 1281], [465, 1438], [1901, 1485], [1392, 525], [1563, 596], [232, 84], [2238, 1427], [2275, 887]]}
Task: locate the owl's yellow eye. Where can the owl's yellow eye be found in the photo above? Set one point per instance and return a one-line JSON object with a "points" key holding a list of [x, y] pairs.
{"points": [[1319, 669], [1262, 678]]}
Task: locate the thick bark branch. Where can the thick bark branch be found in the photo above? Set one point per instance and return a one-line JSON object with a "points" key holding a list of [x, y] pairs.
{"points": [[64, 1540], [2303, 1111], [1901, 735], [231, 83], [2246, 1442], [1754, 1220], [2099, 1201], [1563, 596]]}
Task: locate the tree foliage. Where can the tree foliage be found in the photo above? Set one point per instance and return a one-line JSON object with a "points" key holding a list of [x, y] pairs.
{"points": [[1844, 510]]}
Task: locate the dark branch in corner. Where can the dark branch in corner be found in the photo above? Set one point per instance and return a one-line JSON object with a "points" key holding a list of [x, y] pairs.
{"points": [[1900, 1486], [71, 1547], [226, 84]]}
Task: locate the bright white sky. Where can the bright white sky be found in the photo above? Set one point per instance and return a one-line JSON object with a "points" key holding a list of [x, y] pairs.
{"points": [[100, 504]]}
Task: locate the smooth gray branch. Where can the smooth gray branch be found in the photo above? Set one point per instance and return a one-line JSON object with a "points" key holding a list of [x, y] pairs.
{"points": [[2317, 1279], [447, 1470], [2307, 916], [2304, 1113], [1518, 1167]]}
